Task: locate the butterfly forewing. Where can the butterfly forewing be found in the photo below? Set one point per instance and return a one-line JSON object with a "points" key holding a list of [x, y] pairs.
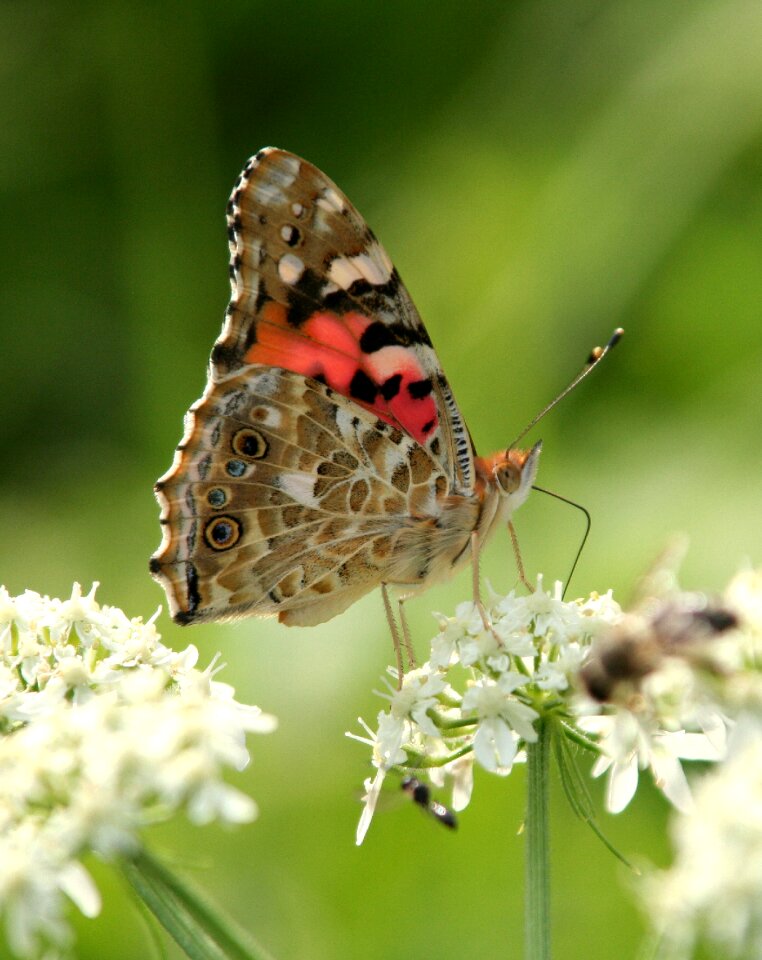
{"points": [[314, 292]]}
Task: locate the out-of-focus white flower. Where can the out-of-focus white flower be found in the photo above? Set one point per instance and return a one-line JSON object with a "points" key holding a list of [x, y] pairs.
{"points": [[744, 595], [629, 745], [671, 719], [103, 730], [713, 891]]}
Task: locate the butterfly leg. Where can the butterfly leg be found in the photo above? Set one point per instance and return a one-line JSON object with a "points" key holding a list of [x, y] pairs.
{"points": [[517, 555], [395, 634], [406, 632], [476, 589]]}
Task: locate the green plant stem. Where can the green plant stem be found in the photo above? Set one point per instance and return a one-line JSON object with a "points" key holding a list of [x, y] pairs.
{"points": [[537, 856], [200, 930]]}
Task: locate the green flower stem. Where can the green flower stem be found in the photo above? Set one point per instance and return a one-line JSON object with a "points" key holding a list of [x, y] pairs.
{"points": [[195, 926], [419, 761], [537, 856], [580, 739]]}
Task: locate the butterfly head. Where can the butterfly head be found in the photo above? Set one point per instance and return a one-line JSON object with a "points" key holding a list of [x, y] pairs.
{"points": [[511, 472]]}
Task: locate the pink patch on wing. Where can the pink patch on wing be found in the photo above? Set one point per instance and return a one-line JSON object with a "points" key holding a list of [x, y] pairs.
{"points": [[417, 415], [327, 347]]}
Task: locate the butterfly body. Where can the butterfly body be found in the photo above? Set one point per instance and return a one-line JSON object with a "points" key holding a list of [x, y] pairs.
{"points": [[327, 455]]}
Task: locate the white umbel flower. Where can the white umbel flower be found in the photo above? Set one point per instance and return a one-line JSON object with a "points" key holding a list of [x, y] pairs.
{"points": [[713, 891], [492, 673], [503, 721], [629, 745], [487, 680], [104, 730]]}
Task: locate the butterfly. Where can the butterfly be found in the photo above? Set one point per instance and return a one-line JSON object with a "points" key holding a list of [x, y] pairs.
{"points": [[327, 455]]}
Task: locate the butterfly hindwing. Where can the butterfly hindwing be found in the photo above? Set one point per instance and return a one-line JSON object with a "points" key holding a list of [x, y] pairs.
{"points": [[286, 497], [314, 292]]}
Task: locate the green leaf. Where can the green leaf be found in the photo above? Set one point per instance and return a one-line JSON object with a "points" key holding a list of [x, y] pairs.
{"points": [[576, 790], [198, 928]]}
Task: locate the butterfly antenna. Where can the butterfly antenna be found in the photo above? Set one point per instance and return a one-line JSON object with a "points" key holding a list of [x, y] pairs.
{"points": [[596, 355], [583, 541]]}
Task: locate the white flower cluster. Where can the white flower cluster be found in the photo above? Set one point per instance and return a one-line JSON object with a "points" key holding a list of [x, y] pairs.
{"points": [[712, 894], [103, 730], [713, 891], [485, 684]]}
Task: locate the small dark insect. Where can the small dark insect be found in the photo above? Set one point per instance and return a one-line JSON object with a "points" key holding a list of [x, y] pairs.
{"points": [[420, 794], [678, 626]]}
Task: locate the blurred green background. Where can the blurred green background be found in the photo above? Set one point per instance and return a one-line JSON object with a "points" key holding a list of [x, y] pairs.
{"points": [[541, 172]]}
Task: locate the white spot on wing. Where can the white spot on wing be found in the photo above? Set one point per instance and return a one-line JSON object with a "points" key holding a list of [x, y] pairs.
{"points": [[297, 209], [344, 422], [384, 258], [264, 384], [287, 169], [343, 272], [371, 266], [268, 194], [321, 221], [300, 487], [393, 457], [290, 268], [330, 200]]}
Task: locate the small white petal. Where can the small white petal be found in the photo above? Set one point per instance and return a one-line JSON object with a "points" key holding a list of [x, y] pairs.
{"points": [[622, 784], [372, 790], [670, 779], [690, 746], [495, 744], [80, 888]]}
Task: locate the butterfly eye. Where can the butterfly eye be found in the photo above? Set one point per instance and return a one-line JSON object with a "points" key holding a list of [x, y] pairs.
{"points": [[222, 533], [508, 477], [249, 443]]}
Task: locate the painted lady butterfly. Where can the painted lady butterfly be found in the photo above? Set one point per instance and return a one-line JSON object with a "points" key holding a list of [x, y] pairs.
{"points": [[327, 455]]}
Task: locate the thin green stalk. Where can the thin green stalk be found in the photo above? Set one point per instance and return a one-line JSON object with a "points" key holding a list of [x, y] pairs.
{"points": [[200, 930], [537, 856]]}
